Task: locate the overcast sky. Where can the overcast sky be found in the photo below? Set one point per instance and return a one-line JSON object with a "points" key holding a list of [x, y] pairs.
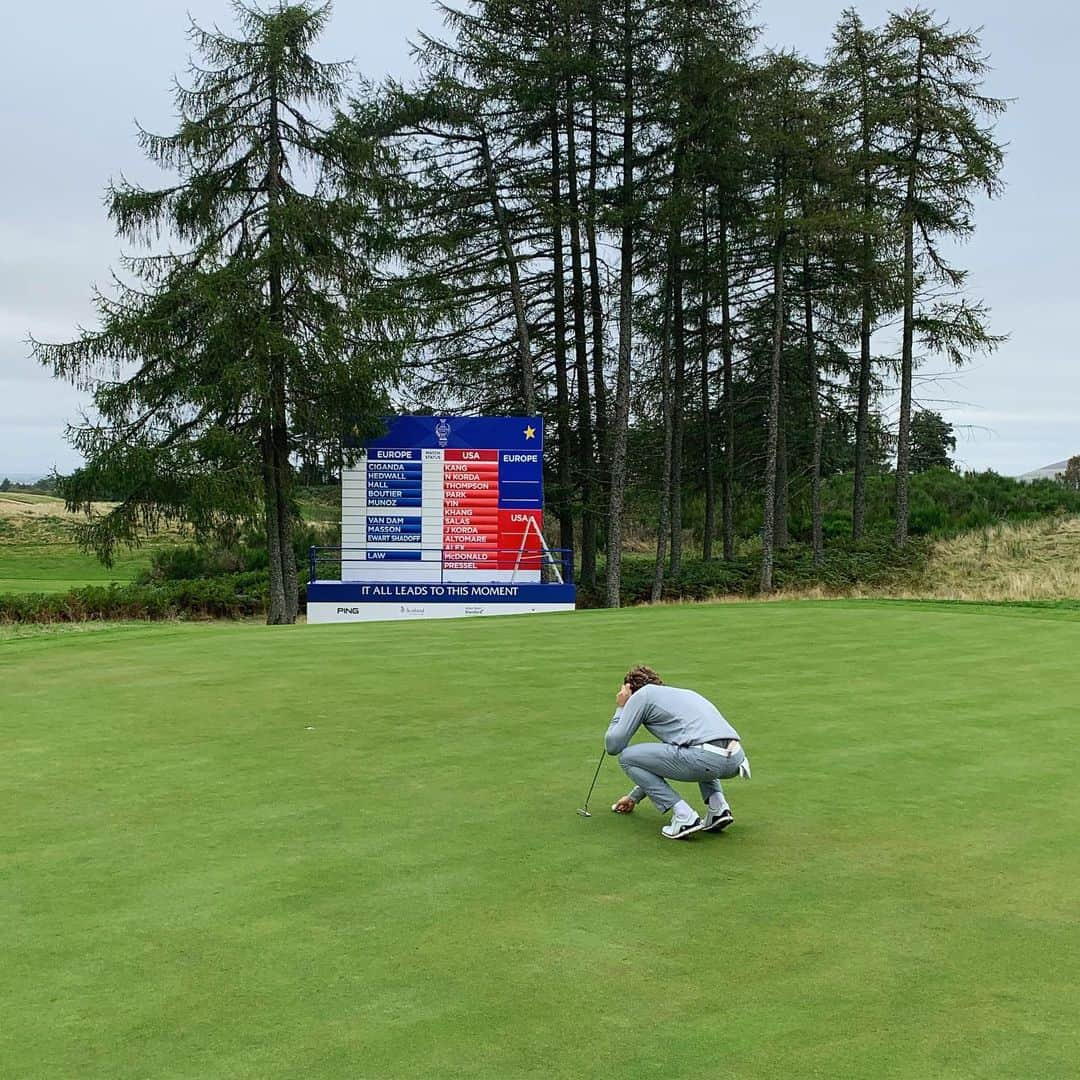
{"points": [[75, 75]]}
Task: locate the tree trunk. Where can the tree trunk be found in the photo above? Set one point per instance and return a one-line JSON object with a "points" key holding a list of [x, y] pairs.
{"points": [[706, 397], [903, 444], [782, 536], [862, 424], [727, 491], [907, 359], [275, 614], [563, 505], [665, 476], [289, 578], [525, 365], [678, 395], [862, 419], [816, 528], [620, 419], [596, 299], [280, 554], [586, 463], [768, 533]]}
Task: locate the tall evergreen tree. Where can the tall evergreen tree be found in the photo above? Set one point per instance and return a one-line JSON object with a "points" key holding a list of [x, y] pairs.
{"points": [[945, 154], [781, 132], [630, 56], [855, 77], [267, 327]]}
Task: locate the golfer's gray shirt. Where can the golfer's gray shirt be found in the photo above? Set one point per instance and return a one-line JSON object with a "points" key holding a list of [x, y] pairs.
{"points": [[674, 716]]}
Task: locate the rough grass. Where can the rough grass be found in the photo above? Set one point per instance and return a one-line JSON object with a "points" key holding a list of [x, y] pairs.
{"points": [[1033, 561], [1036, 561], [28, 498], [351, 851], [1006, 563]]}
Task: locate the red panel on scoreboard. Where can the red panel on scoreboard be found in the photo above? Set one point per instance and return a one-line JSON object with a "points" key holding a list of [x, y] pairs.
{"points": [[472, 515], [471, 499], [477, 468], [471, 455], [519, 537]]}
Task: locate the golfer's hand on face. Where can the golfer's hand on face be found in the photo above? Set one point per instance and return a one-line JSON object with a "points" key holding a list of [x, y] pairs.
{"points": [[623, 696]]}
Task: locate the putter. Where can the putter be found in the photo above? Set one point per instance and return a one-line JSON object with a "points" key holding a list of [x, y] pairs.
{"points": [[584, 810]]}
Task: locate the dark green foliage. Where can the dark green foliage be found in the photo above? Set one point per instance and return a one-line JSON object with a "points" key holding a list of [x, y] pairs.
{"points": [[675, 248], [944, 502], [1071, 476], [186, 562], [231, 596], [262, 328], [210, 560], [47, 485], [870, 563]]}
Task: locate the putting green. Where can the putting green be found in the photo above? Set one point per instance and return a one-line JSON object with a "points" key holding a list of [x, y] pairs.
{"points": [[237, 851]]}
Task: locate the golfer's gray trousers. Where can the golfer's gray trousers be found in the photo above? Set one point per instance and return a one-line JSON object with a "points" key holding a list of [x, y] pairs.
{"points": [[651, 764]]}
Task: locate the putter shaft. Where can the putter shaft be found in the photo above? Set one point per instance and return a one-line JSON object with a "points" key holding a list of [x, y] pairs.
{"points": [[584, 811]]}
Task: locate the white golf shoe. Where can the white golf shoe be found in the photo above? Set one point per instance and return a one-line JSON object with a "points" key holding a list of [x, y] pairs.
{"points": [[718, 820], [679, 828]]}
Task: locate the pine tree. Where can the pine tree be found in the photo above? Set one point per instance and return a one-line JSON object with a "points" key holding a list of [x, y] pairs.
{"points": [[855, 78], [782, 125], [945, 154], [266, 318], [932, 441], [500, 222], [629, 54]]}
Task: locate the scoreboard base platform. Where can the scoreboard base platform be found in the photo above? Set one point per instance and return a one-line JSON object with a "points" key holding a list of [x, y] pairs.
{"points": [[354, 601]]}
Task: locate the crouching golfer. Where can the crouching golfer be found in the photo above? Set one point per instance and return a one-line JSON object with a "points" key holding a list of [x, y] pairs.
{"points": [[696, 743]]}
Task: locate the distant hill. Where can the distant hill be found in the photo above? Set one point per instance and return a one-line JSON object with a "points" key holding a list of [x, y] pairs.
{"points": [[23, 477], [1047, 472]]}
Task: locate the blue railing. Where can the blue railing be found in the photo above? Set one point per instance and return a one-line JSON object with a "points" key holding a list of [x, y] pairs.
{"points": [[554, 564]]}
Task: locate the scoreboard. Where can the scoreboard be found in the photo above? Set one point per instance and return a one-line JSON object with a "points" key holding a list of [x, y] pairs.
{"points": [[446, 499]]}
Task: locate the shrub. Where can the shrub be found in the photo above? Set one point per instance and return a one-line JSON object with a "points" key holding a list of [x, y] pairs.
{"points": [[189, 562], [870, 563], [229, 596]]}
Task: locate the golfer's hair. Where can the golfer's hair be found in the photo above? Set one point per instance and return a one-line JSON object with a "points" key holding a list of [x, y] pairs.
{"points": [[640, 676]]}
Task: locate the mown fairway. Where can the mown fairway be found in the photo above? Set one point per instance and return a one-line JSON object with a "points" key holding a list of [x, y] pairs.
{"points": [[32, 568], [233, 851], [38, 552]]}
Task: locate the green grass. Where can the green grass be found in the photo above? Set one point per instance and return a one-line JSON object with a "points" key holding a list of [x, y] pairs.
{"points": [[38, 552], [58, 567], [30, 497], [238, 851]]}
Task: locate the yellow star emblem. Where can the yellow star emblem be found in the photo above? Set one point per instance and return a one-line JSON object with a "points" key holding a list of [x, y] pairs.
{"points": [[530, 433]]}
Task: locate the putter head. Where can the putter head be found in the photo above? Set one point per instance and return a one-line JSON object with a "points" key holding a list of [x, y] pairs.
{"points": [[582, 812]]}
